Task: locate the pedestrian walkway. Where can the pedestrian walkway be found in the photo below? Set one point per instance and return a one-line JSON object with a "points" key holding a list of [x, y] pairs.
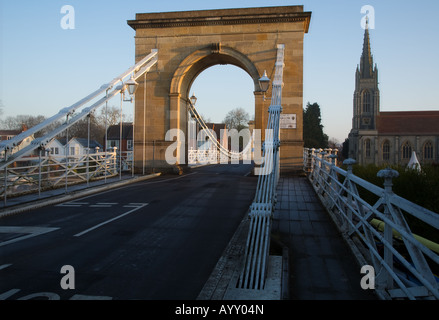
{"points": [[321, 265]]}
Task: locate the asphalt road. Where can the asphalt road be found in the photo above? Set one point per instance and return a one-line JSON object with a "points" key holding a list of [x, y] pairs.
{"points": [[154, 240]]}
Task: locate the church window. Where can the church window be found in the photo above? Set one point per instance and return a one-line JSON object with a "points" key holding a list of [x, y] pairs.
{"points": [[367, 147], [366, 101], [386, 150], [428, 150], [406, 150]]}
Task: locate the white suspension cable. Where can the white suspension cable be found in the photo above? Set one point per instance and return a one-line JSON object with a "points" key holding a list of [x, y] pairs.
{"points": [[136, 71]]}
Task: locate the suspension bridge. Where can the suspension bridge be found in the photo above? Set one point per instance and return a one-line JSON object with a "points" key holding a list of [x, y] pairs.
{"points": [[300, 214]]}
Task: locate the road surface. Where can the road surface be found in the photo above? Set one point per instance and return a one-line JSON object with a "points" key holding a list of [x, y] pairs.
{"points": [[154, 240]]}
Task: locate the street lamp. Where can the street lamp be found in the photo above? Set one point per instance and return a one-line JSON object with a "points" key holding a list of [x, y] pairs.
{"points": [[132, 86], [193, 100], [264, 82]]}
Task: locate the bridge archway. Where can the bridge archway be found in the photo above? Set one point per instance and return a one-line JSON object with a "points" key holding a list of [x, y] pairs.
{"points": [[192, 41]]}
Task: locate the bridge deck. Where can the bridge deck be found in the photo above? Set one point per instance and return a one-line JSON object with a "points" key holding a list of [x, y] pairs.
{"points": [[322, 267]]}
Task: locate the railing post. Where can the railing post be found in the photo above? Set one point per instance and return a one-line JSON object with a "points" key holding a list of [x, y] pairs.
{"points": [[349, 162], [322, 167], [39, 172], [335, 152], [332, 183], [333, 157], [48, 166], [349, 214], [305, 159], [6, 180], [388, 175]]}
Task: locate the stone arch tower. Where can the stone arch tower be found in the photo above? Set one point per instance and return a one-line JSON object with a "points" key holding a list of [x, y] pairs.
{"points": [[190, 42]]}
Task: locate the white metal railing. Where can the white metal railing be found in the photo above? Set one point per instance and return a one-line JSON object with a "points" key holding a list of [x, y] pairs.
{"points": [[216, 153], [403, 262], [45, 172], [255, 266], [214, 156]]}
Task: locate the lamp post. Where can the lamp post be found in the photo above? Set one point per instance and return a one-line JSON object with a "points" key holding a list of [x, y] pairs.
{"points": [[131, 86], [193, 100], [192, 127], [264, 83]]}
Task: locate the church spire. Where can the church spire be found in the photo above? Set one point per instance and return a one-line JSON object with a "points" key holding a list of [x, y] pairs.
{"points": [[366, 66]]}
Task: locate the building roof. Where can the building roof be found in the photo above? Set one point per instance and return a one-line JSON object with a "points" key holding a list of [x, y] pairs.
{"points": [[82, 141], [113, 132], [217, 127], [10, 132], [408, 123]]}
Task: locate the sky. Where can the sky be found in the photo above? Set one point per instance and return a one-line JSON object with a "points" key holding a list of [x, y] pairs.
{"points": [[45, 67]]}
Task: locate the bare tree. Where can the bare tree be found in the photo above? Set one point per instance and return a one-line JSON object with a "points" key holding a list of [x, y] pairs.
{"points": [[237, 119], [98, 120], [112, 114], [81, 129]]}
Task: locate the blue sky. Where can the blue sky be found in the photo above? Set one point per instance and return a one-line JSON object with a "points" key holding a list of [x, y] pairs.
{"points": [[45, 68]]}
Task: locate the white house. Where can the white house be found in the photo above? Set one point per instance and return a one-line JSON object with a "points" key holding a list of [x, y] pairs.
{"points": [[75, 147], [55, 148], [9, 134]]}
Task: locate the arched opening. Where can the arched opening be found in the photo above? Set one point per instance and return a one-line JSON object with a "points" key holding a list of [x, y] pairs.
{"points": [[225, 100], [193, 69], [367, 147], [366, 97], [427, 151], [406, 150], [222, 88], [386, 151]]}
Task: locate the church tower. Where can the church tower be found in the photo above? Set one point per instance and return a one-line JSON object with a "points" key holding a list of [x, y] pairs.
{"points": [[366, 98]]}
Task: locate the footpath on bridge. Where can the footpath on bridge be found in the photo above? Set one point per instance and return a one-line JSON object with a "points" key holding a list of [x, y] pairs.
{"points": [[321, 264], [317, 264]]}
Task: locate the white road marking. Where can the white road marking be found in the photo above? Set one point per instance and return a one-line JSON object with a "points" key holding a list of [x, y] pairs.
{"points": [[110, 220], [5, 266], [133, 205], [80, 204], [72, 204], [8, 294], [30, 232], [85, 297]]}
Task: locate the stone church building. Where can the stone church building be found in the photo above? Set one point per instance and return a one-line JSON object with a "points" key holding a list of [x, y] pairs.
{"points": [[388, 137]]}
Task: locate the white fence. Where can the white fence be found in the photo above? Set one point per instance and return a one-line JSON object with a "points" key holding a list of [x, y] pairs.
{"points": [[255, 265], [404, 263], [46, 172]]}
